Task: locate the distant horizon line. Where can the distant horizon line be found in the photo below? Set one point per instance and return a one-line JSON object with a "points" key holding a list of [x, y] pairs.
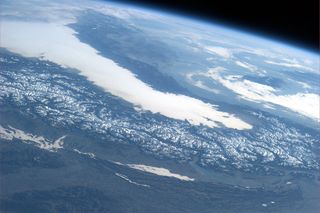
{"points": [[220, 23]]}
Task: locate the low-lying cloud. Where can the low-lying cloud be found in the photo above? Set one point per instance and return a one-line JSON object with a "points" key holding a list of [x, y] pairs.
{"points": [[307, 104], [58, 43], [220, 51], [290, 65], [246, 65]]}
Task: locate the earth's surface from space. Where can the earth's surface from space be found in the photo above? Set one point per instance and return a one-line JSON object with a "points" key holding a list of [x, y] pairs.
{"points": [[114, 108]]}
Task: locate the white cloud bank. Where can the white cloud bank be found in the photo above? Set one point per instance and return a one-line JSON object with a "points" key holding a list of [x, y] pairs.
{"points": [[157, 171], [57, 43], [307, 104]]}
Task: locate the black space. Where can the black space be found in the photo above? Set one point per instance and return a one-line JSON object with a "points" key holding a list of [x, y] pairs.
{"points": [[295, 22]]}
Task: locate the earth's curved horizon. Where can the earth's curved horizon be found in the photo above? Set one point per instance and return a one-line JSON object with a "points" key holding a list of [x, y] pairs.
{"points": [[109, 107]]}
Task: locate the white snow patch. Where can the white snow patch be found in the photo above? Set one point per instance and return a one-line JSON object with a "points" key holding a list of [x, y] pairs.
{"points": [[89, 154], [264, 205], [57, 43], [124, 177], [11, 133]]}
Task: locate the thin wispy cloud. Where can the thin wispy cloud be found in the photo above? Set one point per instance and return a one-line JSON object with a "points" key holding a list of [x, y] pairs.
{"points": [[307, 104], [220, 51]]}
